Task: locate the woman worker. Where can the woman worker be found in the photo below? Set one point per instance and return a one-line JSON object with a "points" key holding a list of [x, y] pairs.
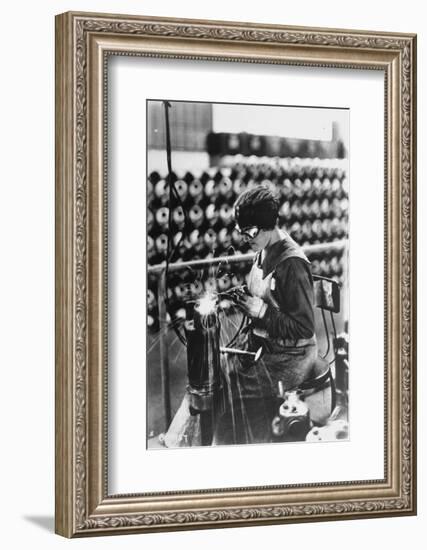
{"points": [[280, 308]]}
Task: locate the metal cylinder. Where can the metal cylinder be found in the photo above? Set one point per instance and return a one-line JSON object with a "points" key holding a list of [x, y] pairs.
{"points": [[203, 360]]}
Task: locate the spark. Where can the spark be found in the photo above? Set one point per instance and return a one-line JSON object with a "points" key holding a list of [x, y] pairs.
{"points": [[206, 304]]}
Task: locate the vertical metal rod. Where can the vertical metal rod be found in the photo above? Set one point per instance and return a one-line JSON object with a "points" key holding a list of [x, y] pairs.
{"points": [[164, 355]]}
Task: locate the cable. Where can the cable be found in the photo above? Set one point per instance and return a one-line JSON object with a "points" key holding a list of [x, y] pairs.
{"points": [[333, 391], [167, 106], [335, 333], [172, 188], [326, 332], [333, 324], [238, 332]]}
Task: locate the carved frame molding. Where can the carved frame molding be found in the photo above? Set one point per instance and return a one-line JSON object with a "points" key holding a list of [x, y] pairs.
{"points": [[83, 42]]}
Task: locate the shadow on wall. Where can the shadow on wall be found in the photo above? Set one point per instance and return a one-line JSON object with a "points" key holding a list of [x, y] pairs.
{"points": [[45, 522]]}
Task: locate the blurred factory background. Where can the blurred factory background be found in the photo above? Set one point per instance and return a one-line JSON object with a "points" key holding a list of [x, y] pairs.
{"points": [[218, 151]]}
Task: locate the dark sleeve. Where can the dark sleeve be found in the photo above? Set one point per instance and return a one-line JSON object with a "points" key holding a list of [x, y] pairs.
{"points": [[294, 293]]}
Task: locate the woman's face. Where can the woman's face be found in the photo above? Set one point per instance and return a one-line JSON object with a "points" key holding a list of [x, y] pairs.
{"points": [[259, 241]]}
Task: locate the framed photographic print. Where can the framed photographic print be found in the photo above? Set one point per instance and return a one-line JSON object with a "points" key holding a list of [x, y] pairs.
{"points": [[235, 274]]}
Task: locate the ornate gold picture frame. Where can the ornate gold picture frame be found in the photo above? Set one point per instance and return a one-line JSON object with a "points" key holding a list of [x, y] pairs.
{"points": [[84, 43]]}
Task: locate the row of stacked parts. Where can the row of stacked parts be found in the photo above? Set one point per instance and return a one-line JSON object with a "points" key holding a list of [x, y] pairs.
{"points": [[313, 196], [186, 285], [312, 210]]}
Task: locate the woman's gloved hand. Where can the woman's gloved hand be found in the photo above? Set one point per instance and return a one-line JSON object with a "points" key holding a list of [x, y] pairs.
{"points": [[252, 305]]}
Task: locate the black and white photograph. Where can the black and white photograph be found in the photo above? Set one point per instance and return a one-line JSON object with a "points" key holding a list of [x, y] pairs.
{"points": [[212, 243], [247, 274]]}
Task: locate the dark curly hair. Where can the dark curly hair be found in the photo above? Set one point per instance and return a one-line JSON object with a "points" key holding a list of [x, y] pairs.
{"points": [[257, 207]]}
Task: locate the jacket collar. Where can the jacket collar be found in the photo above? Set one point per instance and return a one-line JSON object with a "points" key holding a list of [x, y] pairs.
{"points": [[278, 252]]}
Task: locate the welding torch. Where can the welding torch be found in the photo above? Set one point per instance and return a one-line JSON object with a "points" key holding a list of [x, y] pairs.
{"points": [[236, 292]]}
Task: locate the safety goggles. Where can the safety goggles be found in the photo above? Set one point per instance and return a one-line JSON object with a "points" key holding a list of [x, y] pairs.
{"points": [[248, 232]]}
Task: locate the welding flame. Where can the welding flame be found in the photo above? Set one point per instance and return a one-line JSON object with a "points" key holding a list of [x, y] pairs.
{"points": [[206, 304]]}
